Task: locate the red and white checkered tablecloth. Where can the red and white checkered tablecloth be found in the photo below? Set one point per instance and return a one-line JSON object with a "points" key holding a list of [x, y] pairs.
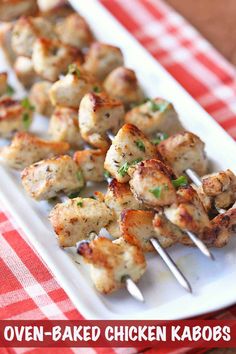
{"points": [[28, 289]]}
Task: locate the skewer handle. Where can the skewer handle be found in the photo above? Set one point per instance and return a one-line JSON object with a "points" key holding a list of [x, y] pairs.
{"points": [[171, 265]]}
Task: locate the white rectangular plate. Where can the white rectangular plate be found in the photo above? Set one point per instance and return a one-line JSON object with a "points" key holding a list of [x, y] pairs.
{"points": [[213, 283]]}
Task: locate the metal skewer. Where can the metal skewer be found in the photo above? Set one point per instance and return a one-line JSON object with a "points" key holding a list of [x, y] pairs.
{"points": [[131, 286], [171, 265], [200, 245]]}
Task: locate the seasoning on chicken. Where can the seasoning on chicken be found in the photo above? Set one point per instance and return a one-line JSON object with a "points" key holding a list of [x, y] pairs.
{"points": [[122, 84], [75, 31], [138, 227], [39, 96], [14, 116], [3, 83], [11, 9], [5, 41], [151, 183], [182, 151], [129, 147], [51, 58], [222, 187], [111, 262], [48, 178], [98, 113], [156, 115], [188, 213], [91, 163], [27, 148], [102, 58], [118, 198], [75, 219], [24, 70], [25, 32], [222, 228], [207, 202], [64, 126], [69, 90]]}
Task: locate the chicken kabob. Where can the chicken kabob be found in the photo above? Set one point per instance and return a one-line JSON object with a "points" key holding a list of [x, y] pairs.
{"points": [[183, 151]]}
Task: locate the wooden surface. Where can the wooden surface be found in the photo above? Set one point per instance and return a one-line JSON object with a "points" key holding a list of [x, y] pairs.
{"points": [[215, 19]]}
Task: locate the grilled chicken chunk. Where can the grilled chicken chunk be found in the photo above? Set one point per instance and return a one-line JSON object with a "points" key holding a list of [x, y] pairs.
{"points": [[47, 178], [5, 41], [24, 70], [222, 187], [11, 9], [39, 96], [98, 113], [118, 198], [138, 227], [223, 227], [102, 58], [129, 147], [51, 58], [75, 31], [64, 126], [151, 184], [26, 149], [157, 115], [122, 84], [69, 90], [3, 83], [167, 232], [25, 32], [189, 213], [207, 202], [91, 163], [14, 116], [111, 262], [182, 151], [77, 218]]}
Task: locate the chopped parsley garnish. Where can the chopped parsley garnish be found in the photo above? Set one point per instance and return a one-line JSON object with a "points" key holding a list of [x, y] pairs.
{"points": [[10, 90], [26, 121], [27, 104], [158, 190], [180, 182], [79, 176], [124, 168], [73, 69], [161, 106], [96, 89], [80, 204], [159, 138], [106, 174], [74, 195], [140, 145]]}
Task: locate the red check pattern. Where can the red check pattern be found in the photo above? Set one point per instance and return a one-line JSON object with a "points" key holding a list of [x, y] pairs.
{"points": [[28, 288]]}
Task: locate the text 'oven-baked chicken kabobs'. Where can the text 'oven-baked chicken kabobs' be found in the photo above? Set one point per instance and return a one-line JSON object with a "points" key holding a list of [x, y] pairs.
{"points": [[102, 128]]}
